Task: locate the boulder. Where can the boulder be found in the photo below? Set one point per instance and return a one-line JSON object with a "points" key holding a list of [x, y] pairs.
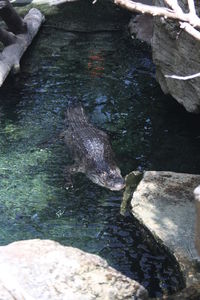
{"points": [[175, 52], [164, 203], [45, 270]]}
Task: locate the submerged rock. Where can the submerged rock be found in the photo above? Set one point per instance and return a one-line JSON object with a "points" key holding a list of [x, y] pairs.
{"points": [[164, 203], [43, 269]]}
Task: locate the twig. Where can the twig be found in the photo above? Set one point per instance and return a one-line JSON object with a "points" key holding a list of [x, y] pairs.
{"points": [[173, 4], [191, 7], [190, 29], [183, 77]]}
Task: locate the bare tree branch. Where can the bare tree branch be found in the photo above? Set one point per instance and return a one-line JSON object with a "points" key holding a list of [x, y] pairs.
{"points": [[173, 4], [190, 29], [188, 21], [191, 7], [183, 77], [175, 13], [145, 9]]}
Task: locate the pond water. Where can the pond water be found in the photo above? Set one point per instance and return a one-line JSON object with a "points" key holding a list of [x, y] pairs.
{"points": [[114, 78]]}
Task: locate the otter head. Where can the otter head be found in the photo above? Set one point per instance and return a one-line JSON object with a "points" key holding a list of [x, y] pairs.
{"points": [[109, 178]]}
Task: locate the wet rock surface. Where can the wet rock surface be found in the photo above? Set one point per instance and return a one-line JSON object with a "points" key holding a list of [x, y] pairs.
{"points": [[164, 203], [43, 269], [190, 293]]}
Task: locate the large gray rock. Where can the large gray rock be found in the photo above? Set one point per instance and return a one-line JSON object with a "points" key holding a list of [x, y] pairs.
{"points": [[175, 52], [45, 270], [164, 203]]}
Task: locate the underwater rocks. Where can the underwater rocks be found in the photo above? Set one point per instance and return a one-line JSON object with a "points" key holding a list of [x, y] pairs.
{"points": [[164, 203], [44, 269]]}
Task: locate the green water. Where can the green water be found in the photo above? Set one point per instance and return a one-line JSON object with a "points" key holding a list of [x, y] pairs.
{"points": [[114, 78]]}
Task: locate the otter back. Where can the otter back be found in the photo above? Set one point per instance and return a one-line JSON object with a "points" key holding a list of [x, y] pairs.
{"points": [[91, 149]]}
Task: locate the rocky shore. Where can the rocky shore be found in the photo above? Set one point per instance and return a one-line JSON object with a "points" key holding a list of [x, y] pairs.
{"points": [[164, 203]]}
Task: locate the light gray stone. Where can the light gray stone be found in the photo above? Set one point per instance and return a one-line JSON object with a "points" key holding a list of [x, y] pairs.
{"points": [[197, 225], [197, 193], [175, 52], [45, 270], [164, 203]]}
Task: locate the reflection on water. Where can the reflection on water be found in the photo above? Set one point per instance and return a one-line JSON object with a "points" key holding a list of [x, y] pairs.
{"points": [[114, 79]]}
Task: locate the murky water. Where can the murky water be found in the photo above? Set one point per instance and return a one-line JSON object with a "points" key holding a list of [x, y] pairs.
{"points": [[114, 78]]}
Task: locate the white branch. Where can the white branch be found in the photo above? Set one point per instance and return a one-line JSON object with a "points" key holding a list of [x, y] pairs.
{"points": [[173, 4], [175, 13], [144, 8], [191, 7], [11, 55], [183, 77], [191, 30]]}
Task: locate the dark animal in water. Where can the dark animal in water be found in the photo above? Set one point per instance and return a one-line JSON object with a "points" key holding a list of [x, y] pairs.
{"points": [[91, 150]]}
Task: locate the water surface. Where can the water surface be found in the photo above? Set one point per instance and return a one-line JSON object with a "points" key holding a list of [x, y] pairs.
{"points": [[114, 78]]}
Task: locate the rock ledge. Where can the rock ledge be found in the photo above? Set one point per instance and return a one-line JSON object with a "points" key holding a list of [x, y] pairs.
{"points": [[164, 203]]}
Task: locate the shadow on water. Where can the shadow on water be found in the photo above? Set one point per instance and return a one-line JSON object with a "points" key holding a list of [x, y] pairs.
{"points": [[114, 78]]}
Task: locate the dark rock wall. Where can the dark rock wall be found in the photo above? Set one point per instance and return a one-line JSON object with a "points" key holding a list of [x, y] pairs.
{"points": [[175, 52]]}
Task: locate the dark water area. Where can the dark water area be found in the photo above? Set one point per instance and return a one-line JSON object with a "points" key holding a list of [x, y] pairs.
{"points": [[114, 78]]}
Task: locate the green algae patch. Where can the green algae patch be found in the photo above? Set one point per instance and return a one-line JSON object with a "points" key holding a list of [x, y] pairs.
{"points": [[131, 180]]}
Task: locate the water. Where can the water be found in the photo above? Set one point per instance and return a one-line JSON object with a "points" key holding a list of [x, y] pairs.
{"points": [[114, 78]]}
